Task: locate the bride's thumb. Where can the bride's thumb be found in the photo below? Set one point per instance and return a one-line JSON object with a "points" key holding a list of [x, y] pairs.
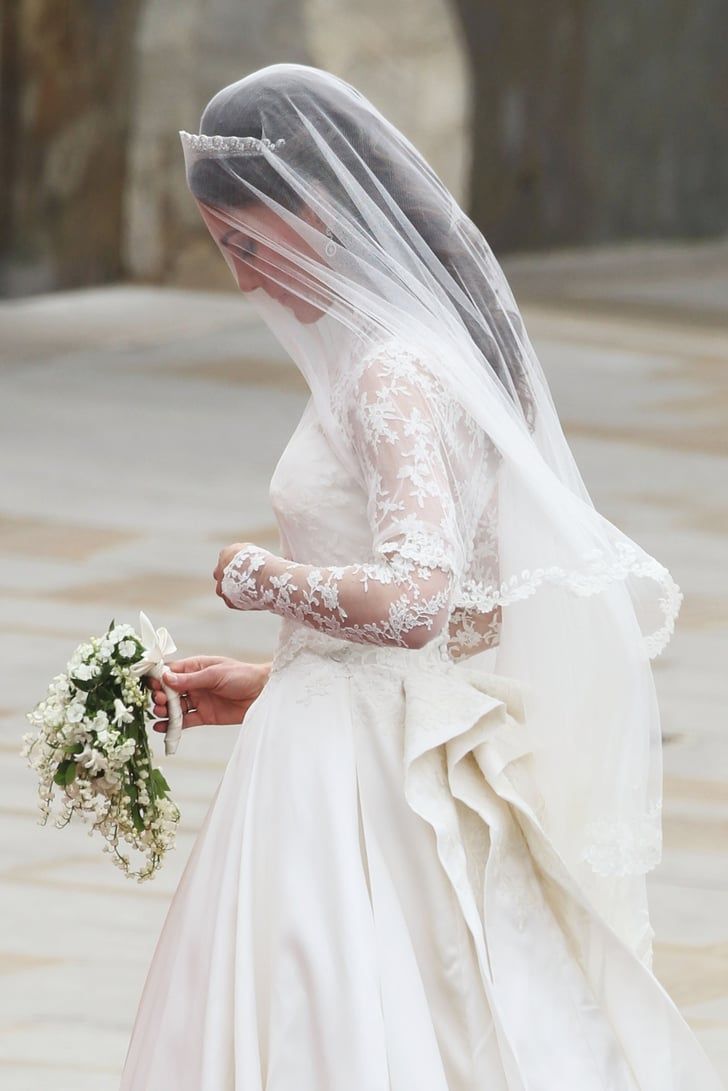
{"points": [[203, 679], [175, 680]]}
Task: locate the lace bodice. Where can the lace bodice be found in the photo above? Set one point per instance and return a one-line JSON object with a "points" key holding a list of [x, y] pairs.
{"points": [[381, 559]]}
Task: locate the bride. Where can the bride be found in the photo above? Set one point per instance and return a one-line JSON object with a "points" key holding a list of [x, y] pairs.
{"points": [[424, 868]]}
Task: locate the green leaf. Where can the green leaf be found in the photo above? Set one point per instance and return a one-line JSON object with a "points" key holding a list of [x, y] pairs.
{"points": [[59, 777], [70, 775], [86, 684], [160, 779], [136, 817]]}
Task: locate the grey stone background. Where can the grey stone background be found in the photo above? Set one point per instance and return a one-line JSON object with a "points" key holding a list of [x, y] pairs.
{"points": [[555, 123], [94, 189]]}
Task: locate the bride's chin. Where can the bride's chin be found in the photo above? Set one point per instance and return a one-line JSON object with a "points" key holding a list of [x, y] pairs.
{"points": [[303, 311]]}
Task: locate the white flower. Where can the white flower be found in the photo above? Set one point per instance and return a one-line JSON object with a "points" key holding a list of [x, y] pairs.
{"points": [[124, 752], [105, 783], [122, 715], [119, 633], [127, 648], [52, 714], [84, 671], [105, 649], [92, 759], [60, 686], [75, 712]]}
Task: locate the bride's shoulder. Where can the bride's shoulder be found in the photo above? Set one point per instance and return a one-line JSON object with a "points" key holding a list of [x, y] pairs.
{"points": [[374, 364], [407, 378], [388, 348], [390, 361], [388, 374]]}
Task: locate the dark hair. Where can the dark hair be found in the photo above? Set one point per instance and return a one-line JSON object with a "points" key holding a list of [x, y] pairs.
{"points": [[269, 99], [217, 182]]}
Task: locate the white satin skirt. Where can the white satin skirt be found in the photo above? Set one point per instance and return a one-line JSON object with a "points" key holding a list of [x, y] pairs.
{"points": [[371, 906]]}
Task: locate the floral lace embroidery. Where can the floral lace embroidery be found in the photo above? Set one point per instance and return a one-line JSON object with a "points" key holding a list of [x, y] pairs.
{"points": [[317, 684], [329, 598], [434, 560], [624, 848], [406, 434], [593, 575], [297, 640], [472, 632]]}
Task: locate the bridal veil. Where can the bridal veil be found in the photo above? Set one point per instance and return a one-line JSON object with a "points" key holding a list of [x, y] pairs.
{"points": [[312, 193]]}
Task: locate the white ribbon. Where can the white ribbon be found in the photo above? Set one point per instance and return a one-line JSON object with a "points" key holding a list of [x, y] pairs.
{"points": [[159, 646]]}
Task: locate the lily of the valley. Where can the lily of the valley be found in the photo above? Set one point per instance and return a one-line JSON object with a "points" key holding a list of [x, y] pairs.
{"points": [[92, 759], [122, 715]]}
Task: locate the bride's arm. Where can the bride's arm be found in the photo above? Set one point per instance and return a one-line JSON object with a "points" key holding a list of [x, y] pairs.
{"points": [[395, 601], [399, 431]]}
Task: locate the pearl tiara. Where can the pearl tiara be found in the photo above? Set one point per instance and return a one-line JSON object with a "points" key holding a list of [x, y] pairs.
{"points": [[229, 145]]}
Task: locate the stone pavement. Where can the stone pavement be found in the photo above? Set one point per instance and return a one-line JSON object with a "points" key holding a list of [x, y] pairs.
{"points": [[139, 428]]}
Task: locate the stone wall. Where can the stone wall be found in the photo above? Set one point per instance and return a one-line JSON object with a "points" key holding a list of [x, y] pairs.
{"points": [[557, 122], [66, 75], [185, 51], [596, 122]]}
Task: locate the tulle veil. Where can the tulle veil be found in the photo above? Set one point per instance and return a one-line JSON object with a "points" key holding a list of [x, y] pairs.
{"points": [[308, 184]]}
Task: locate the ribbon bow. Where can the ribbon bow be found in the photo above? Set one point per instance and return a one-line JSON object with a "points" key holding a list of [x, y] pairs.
{"points": [[158, 647]]}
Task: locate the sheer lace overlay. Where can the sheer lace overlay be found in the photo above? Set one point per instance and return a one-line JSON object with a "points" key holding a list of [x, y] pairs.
{"points": [[409, 438]]}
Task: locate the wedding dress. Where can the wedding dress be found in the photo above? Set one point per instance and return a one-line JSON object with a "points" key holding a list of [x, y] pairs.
{"points": [[372, 902]]}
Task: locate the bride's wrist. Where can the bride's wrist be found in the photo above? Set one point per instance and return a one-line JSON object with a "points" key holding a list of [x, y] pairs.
{"points": [[243, 577]]}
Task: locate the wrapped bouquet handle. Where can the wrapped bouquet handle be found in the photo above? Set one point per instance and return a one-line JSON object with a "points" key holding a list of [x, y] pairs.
{"points": [[158, 647]]}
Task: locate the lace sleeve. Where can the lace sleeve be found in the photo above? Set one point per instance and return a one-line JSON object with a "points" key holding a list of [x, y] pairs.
{"points": [[473, 629], [397, 424]]}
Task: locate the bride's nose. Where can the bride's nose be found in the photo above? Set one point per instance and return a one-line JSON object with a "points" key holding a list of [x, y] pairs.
{"points": [[248, 279]]}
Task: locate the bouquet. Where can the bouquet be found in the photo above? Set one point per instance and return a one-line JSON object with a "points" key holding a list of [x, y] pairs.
{"points": [[91, 744]]}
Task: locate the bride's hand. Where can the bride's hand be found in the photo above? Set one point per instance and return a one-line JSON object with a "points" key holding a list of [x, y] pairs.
{"points": [[225, 556], [222, 689]]}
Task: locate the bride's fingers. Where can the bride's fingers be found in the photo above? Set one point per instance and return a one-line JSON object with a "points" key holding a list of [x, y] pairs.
{"points": [[190, 719], [184, 667], [192, 663], [156, 684], [207, 678]]}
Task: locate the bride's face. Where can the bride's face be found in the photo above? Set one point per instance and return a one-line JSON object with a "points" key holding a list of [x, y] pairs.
{"points": [[257, 265]]}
